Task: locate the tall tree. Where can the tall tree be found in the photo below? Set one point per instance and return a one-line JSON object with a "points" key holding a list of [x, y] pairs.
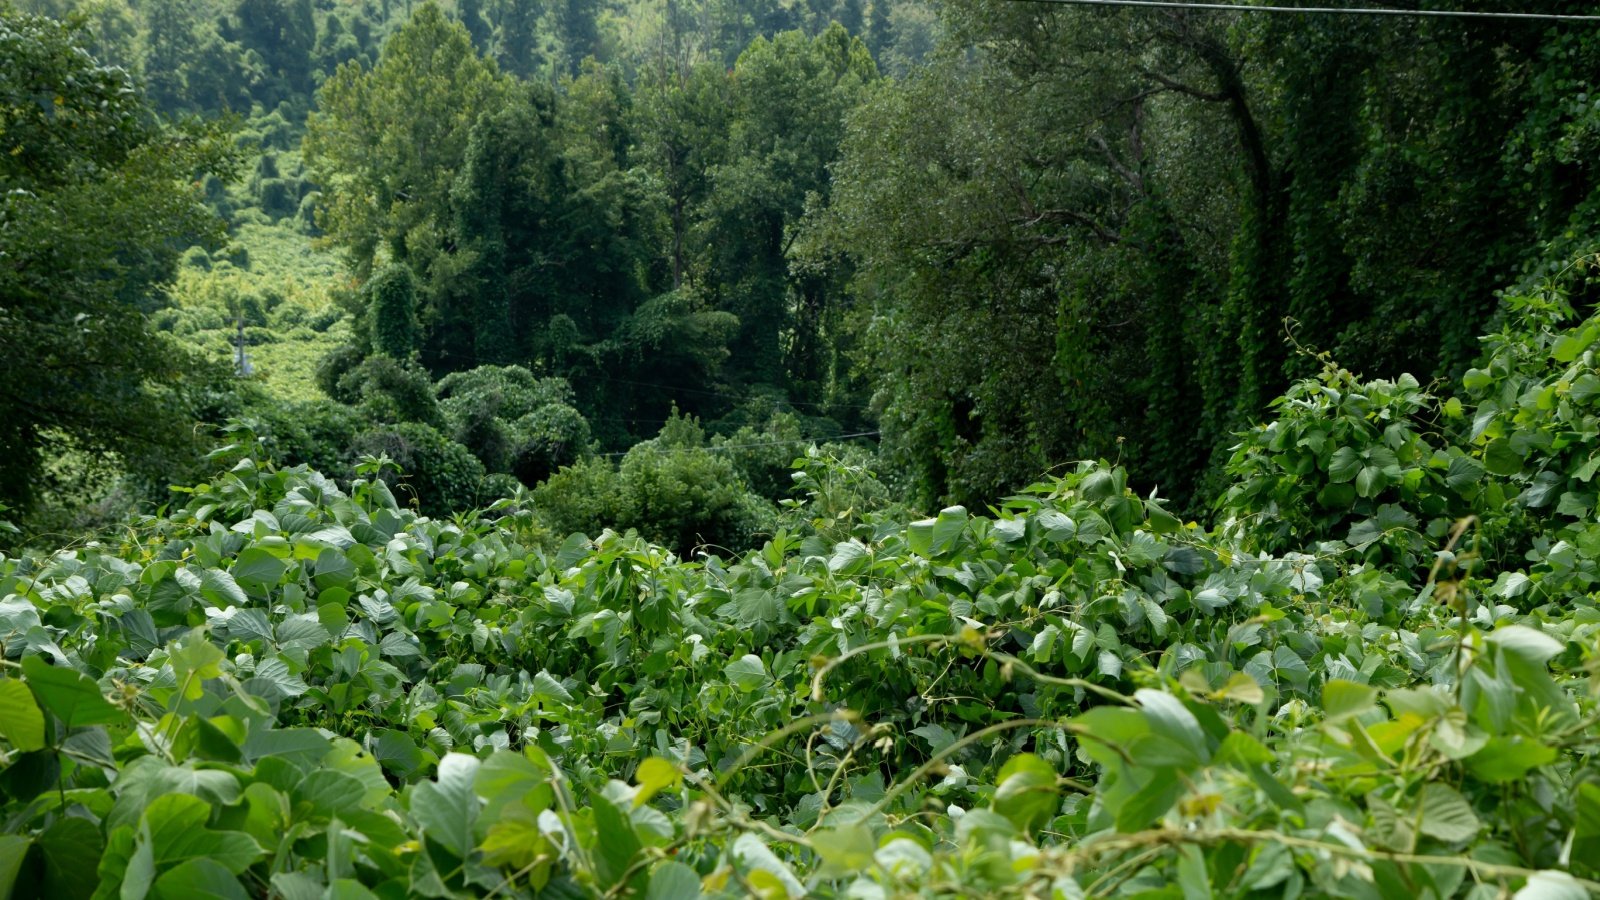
{"points": [[788, 97], [386, 143], [96, 198]]}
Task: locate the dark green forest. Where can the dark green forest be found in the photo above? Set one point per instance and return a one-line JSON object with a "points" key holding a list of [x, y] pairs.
{"points": [[446, 449]]}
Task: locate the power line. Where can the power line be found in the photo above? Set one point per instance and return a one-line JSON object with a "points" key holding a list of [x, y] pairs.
{"points": [[1326, 10], [717, 447]]}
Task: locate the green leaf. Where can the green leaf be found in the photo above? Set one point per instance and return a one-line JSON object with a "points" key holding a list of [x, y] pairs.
{"points": [[332, 569], [849, 558], [507, 777], [1551, 885], [1370, 482], [1507, 759], [397, 752], [1343, 465], [748, 673], [1500, 459], [515, 841], [757, 858], [938, 536], [1342, 699], [546, 687], [1149, 802], [616, 843], [257, 570], [70, 850], [195, 660], [1444, 814], [324, 794], [447, 808], [199, 879], [844, 850], [13, 850], [673, 880], [221, 589], [1026, 791], [1536, 647], [178, 832], [758, 606], [1172, 722], [653, 776], [21, 722], [68, 695]]}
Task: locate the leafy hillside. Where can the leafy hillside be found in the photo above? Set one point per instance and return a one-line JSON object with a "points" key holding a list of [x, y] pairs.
{"points": [[1374, 678]]}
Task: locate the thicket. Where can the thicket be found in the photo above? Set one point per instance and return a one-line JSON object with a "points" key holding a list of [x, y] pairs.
{"points": [[1372, 678]]}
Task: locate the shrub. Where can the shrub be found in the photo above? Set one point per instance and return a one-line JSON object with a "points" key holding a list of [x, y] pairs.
{"points": [[437, 474]]}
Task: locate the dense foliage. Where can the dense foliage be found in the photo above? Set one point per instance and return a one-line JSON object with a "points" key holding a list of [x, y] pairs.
{"points": [[95, 206], [1093, 232], [1374, 678], [507, 580]]}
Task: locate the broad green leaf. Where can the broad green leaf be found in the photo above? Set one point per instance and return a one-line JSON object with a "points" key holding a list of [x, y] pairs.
{"points": [[1344, 465], [1507, 759], [844, 849], [653, 776], [748, 673], [258, 570], [70, 850], [1536, 647], [671, 880], [515, 841], [199, 879], [755, 857], [324, 794], [21, 722], [397, 752], [1500, 459], [758, 606], [13, 850], [447, 808], [1342, 699], [68, 695], [1551, 885], [507, 778], [220, 588], [1026, 792], [1149, 802], [546, 687], [178, 832], [1444, 814], [849, 558], [1170, 721], [616, 843], [195, 660]]}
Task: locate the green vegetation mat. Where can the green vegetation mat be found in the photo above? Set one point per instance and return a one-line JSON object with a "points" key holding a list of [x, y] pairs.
{"points": [[1374, 678]]}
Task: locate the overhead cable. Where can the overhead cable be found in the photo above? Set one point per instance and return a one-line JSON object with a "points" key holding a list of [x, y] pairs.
{"points": [[1326, 10]]}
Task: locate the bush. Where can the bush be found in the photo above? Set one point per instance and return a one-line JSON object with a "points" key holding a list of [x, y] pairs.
{"points": [[390, 391], [437, 474], [318, 434], [585, 497], [546, 439], [333, 367]]}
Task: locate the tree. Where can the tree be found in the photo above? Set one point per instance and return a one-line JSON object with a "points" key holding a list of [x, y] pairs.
{"points": [[386, 143], [96, 200], [789, 98], [392, 306]]}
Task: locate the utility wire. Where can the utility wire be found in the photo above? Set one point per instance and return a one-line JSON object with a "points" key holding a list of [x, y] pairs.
{"points": [[1325, 10], [717, 447]]}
